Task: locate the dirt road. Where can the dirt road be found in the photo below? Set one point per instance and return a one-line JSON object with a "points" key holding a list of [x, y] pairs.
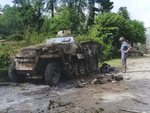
{"points": [[133, 93]]}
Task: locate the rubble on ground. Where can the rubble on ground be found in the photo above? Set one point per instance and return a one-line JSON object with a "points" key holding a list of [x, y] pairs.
{"points": [[80, 84], [106, 68], [105, 75], [101, 79]]}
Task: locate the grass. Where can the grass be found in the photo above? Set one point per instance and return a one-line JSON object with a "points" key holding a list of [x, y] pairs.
{"points": [[114, 62]]}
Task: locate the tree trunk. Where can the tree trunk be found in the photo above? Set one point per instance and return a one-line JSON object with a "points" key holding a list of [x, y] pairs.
{"points": [[52, 8], [92, 13], [39, 15]]}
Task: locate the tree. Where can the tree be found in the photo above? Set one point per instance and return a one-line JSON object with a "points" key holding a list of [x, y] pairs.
{"points": [[106, 31], [138, 31], [0, 8], [124, 12], [92, 10], [30, 13], [75, 9], [67, 20], [78, 6], [9, 21], [51, 5], [39, 9], [104, 6], [17, 18], [20, 2]]}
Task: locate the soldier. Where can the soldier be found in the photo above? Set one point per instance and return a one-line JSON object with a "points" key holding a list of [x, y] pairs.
{"points": [[125, 47]]}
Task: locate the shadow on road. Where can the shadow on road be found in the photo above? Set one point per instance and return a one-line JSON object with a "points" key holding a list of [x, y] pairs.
{"points": [[41, 81]]}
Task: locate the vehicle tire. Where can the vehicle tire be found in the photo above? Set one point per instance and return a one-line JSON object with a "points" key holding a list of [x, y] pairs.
{"points": [[94, 64], [70, 68], [82, 69], [52, 74], [132, 54], [13, 75]]}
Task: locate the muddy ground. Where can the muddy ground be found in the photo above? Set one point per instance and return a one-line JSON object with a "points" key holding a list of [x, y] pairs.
{"points": [[132, 93]]}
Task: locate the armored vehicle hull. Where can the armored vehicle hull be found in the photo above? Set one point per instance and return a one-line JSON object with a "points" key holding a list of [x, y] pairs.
{"points": [[54, 58], [133, 52]]}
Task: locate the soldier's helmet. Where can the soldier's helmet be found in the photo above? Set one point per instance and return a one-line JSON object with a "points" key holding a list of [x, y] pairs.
{"points": [[121, 39]]}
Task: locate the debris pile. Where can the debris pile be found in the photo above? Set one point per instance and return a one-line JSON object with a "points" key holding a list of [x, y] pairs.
{"points": [[101, 79], [54, 105], [103, 76], [106, 68], [80, 84]]}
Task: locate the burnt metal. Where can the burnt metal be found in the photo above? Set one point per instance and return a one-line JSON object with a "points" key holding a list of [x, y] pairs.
{"points": [[64, 51], [134, 52]]}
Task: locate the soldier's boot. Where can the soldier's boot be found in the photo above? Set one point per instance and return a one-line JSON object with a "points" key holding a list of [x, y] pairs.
{"points": [[124, 68]]}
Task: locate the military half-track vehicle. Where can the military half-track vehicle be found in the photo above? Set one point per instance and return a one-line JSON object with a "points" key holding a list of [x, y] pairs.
{"points": [[55, 57], [134, 52]]}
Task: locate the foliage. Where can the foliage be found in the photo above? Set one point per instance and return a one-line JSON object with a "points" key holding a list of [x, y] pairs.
{"points": [[15, 37], [2, 36], [104, 6], [9, 23], [124, 12], [68, 20], [114, 62], [92, 10], [7, 50], [16, 19], [51, 5], [107, 30], [138, 31], [31, 37]]}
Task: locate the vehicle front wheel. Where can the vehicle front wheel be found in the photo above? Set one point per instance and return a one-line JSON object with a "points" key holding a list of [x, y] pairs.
{"points": [[13, 75], [52, 74]]}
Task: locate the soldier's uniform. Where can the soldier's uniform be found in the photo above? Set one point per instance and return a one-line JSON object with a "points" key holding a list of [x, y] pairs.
{"points": [[124, 55]]}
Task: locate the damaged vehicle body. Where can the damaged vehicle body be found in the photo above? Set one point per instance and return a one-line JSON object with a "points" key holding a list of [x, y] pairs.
{"points": [[55, 57]]}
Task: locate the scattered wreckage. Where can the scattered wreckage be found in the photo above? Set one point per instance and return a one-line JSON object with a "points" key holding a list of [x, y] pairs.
{"points": [[101, 79], [106, 75], [55, 57]]}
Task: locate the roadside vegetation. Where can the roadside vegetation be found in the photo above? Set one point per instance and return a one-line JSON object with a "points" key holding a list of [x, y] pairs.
{"points": [[114, 62], [30, 22]]}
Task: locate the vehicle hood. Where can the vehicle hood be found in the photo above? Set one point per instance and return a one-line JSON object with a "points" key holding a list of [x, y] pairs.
{"points": [[30, 51], [37, 46]]}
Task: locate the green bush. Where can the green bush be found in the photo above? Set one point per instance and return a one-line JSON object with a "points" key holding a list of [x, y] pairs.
{"points": [[8, 49], [106, 32], [32, 37], [15, 37], [5, 52], [2, 36]]}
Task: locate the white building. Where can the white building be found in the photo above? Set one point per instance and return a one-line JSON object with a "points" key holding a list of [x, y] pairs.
{"points": [[148, 36]]}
